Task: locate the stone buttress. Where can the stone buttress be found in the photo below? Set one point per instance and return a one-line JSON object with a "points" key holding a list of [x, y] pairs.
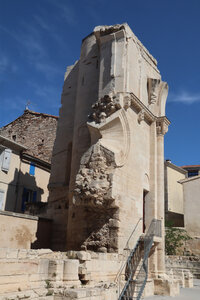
{"points": [[107, 165]]}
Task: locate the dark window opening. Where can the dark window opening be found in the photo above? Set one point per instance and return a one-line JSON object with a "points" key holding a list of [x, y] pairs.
{"points": [[29, 196], [193, 173]]}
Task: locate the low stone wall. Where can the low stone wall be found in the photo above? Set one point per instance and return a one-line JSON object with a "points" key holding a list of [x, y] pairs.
{"points": [[44, 274], [192, 247], [178, 263], [22, 231]]}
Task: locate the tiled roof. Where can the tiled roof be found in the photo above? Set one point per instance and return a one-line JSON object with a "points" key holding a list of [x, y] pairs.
{"points": [[27, 111], [190, 166]]}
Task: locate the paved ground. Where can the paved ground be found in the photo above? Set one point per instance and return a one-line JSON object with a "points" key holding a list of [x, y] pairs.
{"points": [[185, 294]]}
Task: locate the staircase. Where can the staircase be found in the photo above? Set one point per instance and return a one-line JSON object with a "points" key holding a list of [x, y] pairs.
{"points": [[136, 271]]}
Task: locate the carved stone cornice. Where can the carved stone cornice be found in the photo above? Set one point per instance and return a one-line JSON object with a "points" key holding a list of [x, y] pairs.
{"points": [[109, 104], [146, 114], [162, 124], [141, 116]]}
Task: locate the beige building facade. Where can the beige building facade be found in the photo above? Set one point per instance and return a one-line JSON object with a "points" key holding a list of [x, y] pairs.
{"points": [[23, 178], [191, 192], [191, 199], [174, 204], [9, 162], [182, 188]]}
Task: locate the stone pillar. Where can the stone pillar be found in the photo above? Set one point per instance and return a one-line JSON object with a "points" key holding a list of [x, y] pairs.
{"points": [[162, 126], [153, 194]]}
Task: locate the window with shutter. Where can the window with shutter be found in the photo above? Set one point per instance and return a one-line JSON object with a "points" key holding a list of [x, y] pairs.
{"points": [[1, 199], [6, 160], [32, 169]]}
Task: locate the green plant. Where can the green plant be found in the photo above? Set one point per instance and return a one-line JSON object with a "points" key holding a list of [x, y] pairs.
{"points": [[48, 284], [174, 238], [49, 293]]}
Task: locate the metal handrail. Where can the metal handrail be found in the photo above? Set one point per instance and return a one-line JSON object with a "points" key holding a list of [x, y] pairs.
{"points": [[142, 275], [127, 248], [118, 277], [127, 243]]}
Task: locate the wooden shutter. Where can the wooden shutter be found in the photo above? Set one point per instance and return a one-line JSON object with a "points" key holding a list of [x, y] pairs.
{"points": [[1, 199], [6, 160]]}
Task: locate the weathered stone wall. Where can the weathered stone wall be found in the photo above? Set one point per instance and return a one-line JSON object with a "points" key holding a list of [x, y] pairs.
{"points": [[36, 274], [36, 131], [22, 231], [178, 263], [109, 147], [44, 274]]}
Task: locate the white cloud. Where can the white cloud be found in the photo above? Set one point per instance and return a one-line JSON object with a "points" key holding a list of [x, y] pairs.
{"points": [[184, 97], [48, 69], [14, 103], [6, 66], [28, 39], [3, 63], [49, 94], [42, 23], [65, 12]]}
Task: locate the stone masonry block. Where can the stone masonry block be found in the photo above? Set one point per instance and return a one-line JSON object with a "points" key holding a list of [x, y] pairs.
{"points": [[70, 272], [3, 253], [83, 255], [12, 253], [113, 223]]}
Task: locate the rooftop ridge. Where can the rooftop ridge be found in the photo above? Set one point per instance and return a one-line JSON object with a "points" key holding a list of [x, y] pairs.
{"points": [[30, 112]]}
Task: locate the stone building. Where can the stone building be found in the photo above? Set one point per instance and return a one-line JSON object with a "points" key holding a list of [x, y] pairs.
{"points": [[25, 155], [191, 202], [36, 131], [174, 204], [192, 170], [108, 158], [182, 188], [106, 190]]}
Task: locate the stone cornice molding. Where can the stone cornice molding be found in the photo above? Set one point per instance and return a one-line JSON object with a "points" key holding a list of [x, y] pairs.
{"points": [[162, 124], [130, 100], [176, 168], [126, 100]]}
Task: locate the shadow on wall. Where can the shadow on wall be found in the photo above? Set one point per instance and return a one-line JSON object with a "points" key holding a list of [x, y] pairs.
{"points": [[21, 191], [43, 234]]}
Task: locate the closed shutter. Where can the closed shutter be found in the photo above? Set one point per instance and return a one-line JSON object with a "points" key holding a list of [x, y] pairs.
{"points": [[1, 199], [6, 160], [32, 169]]}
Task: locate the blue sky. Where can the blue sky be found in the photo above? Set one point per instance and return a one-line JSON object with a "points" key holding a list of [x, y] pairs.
{"points": [[39, 39]]}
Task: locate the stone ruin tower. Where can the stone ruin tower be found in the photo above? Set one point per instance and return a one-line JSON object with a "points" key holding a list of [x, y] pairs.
{"points": [[108, 158]]}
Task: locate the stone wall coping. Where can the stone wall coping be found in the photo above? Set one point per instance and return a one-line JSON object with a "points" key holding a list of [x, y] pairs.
{"points": [[11, 144], [18, 215], [189, 179], [23, 216], [172, 166]]}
